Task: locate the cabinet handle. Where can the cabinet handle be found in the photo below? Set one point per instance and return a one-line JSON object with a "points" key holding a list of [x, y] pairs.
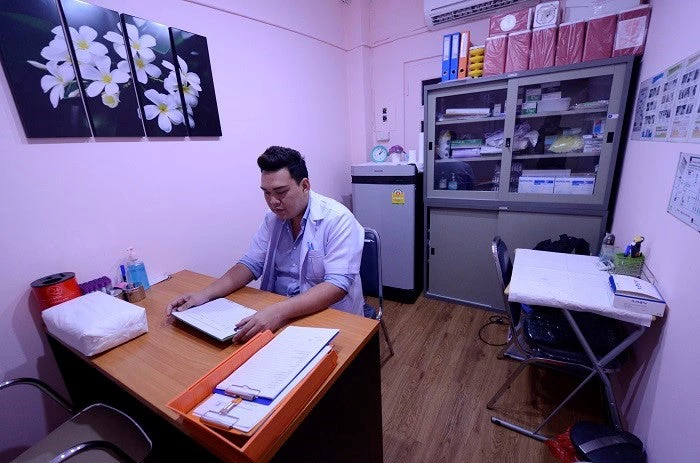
{"points": [[430, 146], [507, 142], [432, 251], [611, 135]]}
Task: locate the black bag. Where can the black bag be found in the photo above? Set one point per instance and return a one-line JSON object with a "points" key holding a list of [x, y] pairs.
{"points": [[566, 244]]}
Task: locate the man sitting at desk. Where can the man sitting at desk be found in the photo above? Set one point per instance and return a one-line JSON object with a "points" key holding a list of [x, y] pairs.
{"points": [[309, 246]]}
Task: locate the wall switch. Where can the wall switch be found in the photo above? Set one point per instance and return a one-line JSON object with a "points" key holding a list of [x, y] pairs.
{"points": [[384, 116]]}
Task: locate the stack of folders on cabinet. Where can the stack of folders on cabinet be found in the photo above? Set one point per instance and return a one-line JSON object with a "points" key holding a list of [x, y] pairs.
{"points": [[240, 393]]}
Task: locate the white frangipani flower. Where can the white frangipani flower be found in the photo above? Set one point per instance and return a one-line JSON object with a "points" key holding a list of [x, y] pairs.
{"points": [[56, 50], [110, 101], [61, 75], [165, 107], [140, 44], [117, 41], [86, 49], [105, 79], [144, 68], [187, 78]]}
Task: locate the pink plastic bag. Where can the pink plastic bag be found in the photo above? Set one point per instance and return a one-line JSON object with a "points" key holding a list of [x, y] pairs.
{"points": [[543, 48], [495, 55], [600, 35], [570, 43], [631, 32], [518, 54]]}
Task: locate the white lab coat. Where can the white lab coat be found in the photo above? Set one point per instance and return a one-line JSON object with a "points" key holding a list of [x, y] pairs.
{"points": [[332, 244]]}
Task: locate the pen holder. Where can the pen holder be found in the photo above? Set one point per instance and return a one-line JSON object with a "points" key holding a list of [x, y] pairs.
{"points": [[631, 266], [135, 292]]}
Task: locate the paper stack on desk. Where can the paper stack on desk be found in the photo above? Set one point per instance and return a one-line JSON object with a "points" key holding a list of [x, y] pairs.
{"points": [[636, 295], [244, 398]]}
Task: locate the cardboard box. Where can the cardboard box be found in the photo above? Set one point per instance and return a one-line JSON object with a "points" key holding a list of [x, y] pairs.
{"points": [[636, 295], [574, 185], [536, 185], [518, 53], [507, 23]]}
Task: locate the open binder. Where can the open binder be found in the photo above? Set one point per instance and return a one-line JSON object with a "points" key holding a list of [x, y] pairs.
{"points": [[234, 445]]}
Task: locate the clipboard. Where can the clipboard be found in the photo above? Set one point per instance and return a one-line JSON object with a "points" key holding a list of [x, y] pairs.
{"points": [[232, 445]]}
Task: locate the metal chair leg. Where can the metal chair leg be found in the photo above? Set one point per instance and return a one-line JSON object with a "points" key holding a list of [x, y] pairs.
{"points": [[507, 384], [386, 336]]}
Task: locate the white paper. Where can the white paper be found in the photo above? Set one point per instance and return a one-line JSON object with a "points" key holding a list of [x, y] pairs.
{"points": [[684, 203], [246, 415], [566, 281], [218, 318], [274, 366]]}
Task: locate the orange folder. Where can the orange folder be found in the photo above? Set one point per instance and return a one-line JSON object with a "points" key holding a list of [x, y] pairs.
{"points": [[464, 46], [233, 445]]}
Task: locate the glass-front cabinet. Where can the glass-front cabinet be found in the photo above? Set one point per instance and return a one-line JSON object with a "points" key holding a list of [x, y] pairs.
{"points": [[527, 156], [522, 140]]}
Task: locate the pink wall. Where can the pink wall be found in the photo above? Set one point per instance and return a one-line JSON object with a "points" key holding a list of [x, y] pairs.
{"points": [[662, 404], [658, 389], [76, 205]]}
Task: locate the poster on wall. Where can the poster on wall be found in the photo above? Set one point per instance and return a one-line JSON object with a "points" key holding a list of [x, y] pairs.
{"points": [[685, 195], [161, 104], [686, 103], [104, 72], [650, 106], [638, 117], [197, 83], [39, 70], [666, 99]]}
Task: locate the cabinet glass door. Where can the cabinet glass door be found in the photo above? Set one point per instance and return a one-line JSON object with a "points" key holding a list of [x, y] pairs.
{"points": [[467, 148], [562, 136]]}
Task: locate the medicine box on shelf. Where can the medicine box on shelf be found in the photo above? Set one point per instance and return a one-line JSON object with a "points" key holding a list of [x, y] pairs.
{"points": [[536, 185], [574, 185]]}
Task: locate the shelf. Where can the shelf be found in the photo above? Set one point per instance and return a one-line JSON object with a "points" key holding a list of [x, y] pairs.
{"points": [[456, 120], [495, 157], [554, 155], [564, 113]]}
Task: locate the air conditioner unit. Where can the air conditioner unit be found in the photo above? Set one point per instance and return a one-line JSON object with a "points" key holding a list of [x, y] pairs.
{"points": [[443, 13]]}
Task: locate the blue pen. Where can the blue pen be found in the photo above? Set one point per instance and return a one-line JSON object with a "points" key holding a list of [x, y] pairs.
{"points": [[123, 270]]}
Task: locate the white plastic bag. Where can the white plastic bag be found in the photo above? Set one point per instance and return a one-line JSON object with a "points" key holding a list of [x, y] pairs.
{"points": [[95, 322]]}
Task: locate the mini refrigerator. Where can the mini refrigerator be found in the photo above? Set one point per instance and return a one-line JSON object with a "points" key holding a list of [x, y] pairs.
{"points": [[389, 198]]}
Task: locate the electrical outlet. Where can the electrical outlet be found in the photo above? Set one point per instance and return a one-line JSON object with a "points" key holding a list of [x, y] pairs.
{"points": [[384, 116]]}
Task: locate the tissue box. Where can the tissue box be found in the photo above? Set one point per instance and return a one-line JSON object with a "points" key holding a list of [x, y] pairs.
{"points": [[95, 322], [536, 185], [636, 295]]}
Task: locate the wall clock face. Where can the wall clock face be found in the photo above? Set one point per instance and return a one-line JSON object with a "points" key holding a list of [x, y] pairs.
{"points": [[379, 153]]}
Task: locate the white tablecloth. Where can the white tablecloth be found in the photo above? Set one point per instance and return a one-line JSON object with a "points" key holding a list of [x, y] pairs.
{"points": [[567, 281]]}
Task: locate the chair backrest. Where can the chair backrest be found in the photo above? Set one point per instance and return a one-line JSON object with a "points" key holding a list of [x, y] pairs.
{"points": [[504, 269], [371, 266]]}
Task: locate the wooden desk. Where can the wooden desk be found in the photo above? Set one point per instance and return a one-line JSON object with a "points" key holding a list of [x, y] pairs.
{"points": [[341, 423]]}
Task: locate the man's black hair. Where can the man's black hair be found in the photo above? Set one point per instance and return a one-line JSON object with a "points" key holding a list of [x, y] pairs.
{"points": [[278, 157]]}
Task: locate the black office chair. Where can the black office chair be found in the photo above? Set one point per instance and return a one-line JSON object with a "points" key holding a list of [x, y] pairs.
{"points": [[98, 433], [543, 336], [371, 276]]}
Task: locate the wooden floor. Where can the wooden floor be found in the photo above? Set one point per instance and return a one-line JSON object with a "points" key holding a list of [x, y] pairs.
{"points": [[436, 386]]}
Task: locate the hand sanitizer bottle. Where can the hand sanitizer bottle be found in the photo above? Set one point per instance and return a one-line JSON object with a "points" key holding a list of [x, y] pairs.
{"points": [[135, 269], [607, 248], [443, 183], [452, 185]]}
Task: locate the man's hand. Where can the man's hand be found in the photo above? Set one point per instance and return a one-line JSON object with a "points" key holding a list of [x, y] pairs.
{"points": [[270, 318], [186, 301]]}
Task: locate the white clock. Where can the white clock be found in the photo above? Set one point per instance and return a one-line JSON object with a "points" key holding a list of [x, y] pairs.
{"points": [[379, 154]]}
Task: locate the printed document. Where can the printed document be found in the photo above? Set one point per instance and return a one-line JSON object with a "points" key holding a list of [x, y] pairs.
{"points": [[274, 366], [217, 318], [246, 415]]}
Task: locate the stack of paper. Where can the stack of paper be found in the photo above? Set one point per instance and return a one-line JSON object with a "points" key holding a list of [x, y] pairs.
{"points": [[266, 378]]}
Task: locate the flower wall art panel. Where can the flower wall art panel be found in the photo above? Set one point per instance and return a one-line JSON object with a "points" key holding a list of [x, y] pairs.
{"points": [[197, 83], [151, 60], [39, 70], [103, 69]]}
